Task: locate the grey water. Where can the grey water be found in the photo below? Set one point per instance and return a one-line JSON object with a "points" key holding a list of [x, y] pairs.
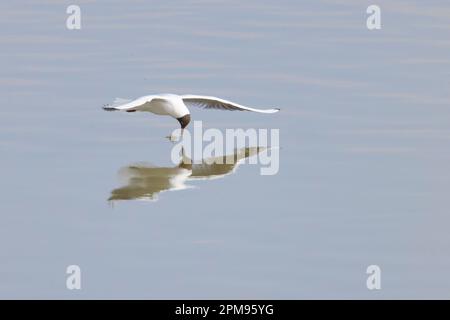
{"points": [[364, 173]]}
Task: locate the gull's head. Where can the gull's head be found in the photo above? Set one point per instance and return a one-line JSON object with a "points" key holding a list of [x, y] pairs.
{"points": [[184, 120]]}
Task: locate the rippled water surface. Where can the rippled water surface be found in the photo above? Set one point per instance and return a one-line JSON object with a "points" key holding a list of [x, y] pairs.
{"points": [[364, 150]]}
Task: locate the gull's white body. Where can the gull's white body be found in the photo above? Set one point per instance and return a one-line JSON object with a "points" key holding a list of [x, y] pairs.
{"points": [[175, 105], [164, 105]]}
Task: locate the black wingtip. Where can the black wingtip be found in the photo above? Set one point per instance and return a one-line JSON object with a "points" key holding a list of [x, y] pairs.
{"points": [[109, 109]]}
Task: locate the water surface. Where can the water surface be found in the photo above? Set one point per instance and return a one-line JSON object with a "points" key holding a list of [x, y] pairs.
{"points": [[364, 133]]}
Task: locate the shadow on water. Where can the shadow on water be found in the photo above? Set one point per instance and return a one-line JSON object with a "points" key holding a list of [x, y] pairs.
{"points": [[145, 181]]}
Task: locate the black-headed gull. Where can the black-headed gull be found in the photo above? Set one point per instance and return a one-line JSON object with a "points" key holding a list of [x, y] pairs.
{"points": [[176, 106]]}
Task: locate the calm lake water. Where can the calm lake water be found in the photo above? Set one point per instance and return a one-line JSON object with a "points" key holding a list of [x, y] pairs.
{"points": [[364, 156]]}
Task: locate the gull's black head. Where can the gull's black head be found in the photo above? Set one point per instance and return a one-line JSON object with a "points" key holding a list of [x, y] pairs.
{"points": [[184, 120]]}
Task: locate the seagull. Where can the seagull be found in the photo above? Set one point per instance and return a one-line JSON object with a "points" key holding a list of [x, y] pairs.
{"points": [[176, 106], [144, 181]]}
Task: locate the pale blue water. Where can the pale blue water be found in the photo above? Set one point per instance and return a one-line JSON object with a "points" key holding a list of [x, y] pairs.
{"points": [[364, 131]]}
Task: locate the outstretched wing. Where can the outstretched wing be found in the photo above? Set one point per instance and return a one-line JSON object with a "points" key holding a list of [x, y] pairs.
{"points": [[128, 105], [206, 102]]}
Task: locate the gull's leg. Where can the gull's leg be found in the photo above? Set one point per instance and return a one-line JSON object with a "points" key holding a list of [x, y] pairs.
{"points": [[175, 138]]}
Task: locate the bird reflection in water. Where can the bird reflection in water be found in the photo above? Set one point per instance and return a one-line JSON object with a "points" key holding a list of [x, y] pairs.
{"points": [[145, 182]]}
